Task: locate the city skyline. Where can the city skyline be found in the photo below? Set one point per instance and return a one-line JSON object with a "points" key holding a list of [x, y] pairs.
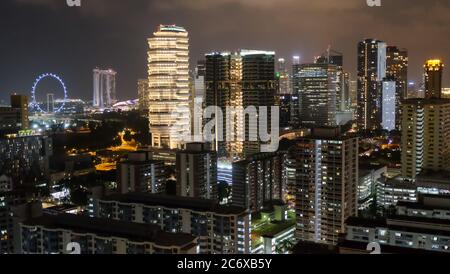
{"points": [[117, 40], [260, 127]]}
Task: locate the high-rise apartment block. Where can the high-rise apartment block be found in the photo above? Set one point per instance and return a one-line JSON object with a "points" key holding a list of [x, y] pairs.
{"points": [[258, 180], [425, 136], [426, 127], [197, 171], [140, 173], [326, 164], [25, 154]]}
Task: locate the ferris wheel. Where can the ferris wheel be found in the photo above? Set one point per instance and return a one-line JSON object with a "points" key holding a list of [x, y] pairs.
{"points": [[36, 83]]}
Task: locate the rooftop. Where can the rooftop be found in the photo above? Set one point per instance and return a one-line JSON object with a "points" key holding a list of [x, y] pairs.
{"points": [[175, 202], [433, 101], [111, 228], [246, 52], [405, 223], [434, 176], [173, 28], [385, 249], [428, 202]]}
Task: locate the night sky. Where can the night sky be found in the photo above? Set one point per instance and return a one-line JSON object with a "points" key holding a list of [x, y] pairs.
{"points": [[40, 36]]}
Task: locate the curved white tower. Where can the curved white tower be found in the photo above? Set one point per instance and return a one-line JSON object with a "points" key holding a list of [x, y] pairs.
{"points": [[168, 77]]}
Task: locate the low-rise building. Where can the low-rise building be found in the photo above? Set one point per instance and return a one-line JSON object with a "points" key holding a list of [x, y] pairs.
{"points": [[392, 190], [220, 229], [423, 225], [432, 182], [367, 186], [274, 231], [51, 234]]}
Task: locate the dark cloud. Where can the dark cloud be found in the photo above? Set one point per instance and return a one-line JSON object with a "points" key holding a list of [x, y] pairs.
{"points": [[46, 35]]}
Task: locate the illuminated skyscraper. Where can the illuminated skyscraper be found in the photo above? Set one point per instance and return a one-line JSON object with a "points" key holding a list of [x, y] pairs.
{"points": [[104, 88], [284, 93], [433, 78], [198, 97], [389, 104], [240, 80], [20, 103], [258, 90], [446, 93], [169, 93], [371, 71], [316, 86], [223, 87], [353, 90], [333, 57], [397, 70], [284, 81], [143, 95]]}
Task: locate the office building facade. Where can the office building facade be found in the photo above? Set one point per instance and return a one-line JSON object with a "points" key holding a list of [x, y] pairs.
{"points": [[316, 86], [397, 70]]}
